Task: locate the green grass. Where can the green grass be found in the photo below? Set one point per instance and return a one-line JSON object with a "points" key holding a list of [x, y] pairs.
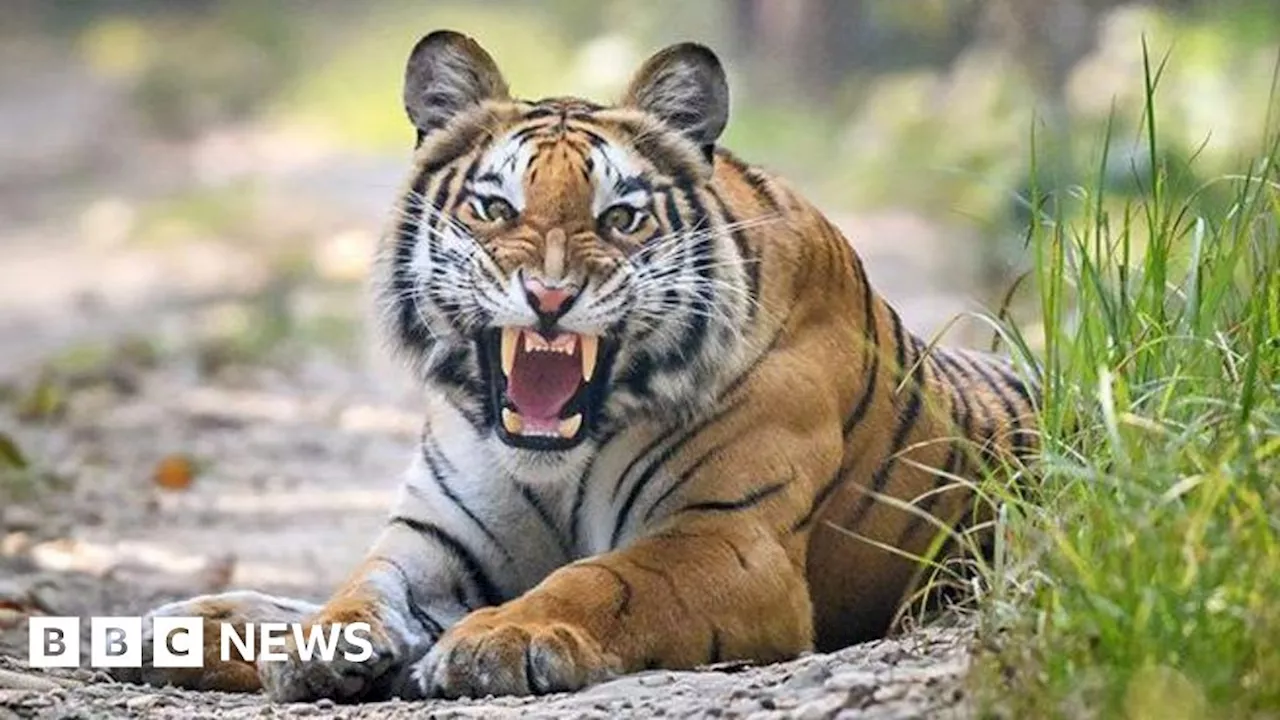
{"points": [[1140, 576]]}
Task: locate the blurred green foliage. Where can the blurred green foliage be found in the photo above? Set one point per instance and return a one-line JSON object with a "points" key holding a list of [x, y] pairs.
{"points": [[922, 104]]}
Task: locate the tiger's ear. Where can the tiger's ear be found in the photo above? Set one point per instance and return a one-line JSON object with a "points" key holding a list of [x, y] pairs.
{"points": [[685, 87], [447, 74]]}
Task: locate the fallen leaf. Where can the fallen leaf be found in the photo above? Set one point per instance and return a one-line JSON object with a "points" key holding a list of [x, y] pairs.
{"points": [[175, 472], [10, 455]]}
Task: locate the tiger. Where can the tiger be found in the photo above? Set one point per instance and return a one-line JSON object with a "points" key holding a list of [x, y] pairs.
{"points": [[669, 423]]}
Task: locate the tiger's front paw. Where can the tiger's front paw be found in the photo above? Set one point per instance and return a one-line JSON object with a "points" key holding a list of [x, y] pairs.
{"points": [[489, 653], [353, 672]]}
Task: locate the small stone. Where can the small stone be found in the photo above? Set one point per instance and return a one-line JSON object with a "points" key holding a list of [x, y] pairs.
{"points": [[141, 702], [15, 543], [811, 676], [36, 700], [11, 697], [889, 693], [10, 618], [819, 709], [20, 518], [25, 681], [657, 679], [324, 704], [851, 681]]}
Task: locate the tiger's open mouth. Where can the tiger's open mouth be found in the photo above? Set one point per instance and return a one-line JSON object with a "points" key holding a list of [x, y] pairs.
{"points": [[545, 392]]}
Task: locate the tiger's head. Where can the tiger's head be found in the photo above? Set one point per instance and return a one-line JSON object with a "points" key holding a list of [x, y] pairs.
{"points": [[560, 266]]}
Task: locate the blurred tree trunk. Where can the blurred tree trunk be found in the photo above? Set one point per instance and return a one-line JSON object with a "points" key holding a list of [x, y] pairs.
{"points": [[1049, 36], [801, 49]]}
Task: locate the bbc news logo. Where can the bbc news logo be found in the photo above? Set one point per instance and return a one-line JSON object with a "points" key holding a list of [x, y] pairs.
{"points": [[178, 642]]}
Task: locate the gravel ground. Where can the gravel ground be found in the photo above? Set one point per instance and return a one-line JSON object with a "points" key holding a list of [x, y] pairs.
{"points": [[916, 676]]}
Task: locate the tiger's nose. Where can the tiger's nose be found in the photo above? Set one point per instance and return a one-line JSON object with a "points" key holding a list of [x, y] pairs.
{"points": [[549, 300]]}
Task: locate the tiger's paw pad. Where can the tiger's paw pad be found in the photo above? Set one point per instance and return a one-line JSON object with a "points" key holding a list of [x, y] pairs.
{"points": [[484, 655]]}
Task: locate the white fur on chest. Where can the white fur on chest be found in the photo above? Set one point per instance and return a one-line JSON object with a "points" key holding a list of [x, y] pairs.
{"points": [[525, 513]]}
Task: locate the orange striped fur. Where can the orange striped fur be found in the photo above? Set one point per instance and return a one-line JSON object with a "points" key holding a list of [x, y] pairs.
{"points": [[727, 478]]}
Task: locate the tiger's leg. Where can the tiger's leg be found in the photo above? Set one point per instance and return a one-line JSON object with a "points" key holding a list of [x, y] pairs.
{"points": [[408, 590], [701, 591], [235, 609], [379, 594], [414, 584]]}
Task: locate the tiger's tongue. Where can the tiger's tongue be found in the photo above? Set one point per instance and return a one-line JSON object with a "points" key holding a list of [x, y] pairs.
{"points": [[542, 382]]}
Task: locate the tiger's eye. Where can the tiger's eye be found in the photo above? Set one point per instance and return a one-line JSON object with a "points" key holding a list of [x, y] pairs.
{"points": [[497, 209], [620, 218]]}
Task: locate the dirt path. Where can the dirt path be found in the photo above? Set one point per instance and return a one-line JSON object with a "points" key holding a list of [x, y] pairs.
{"points": [[914, 677]]}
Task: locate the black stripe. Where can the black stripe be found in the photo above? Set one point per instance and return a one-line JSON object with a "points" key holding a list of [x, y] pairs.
{"points": [[624, 513], [434, 627], [982, 430], [580, 494], [715, 652], [684, 478], [859, 412], [872, 350], [906, 422], [464, 186], [749, 259], [441, 198], [961, 410], [950, 467], [820, 498], [751, 499], [452, 371], [1001, 385], [460, 596], [411, 329], [675, 227], [726, 393], [460, 141], [984, 436], [695, 330], [430, 455], [630, 184], [473, 569], [666, 156], [622, 476], [755, 178], [739, 381], [594, 138], [540, 510], [638, 377]]}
